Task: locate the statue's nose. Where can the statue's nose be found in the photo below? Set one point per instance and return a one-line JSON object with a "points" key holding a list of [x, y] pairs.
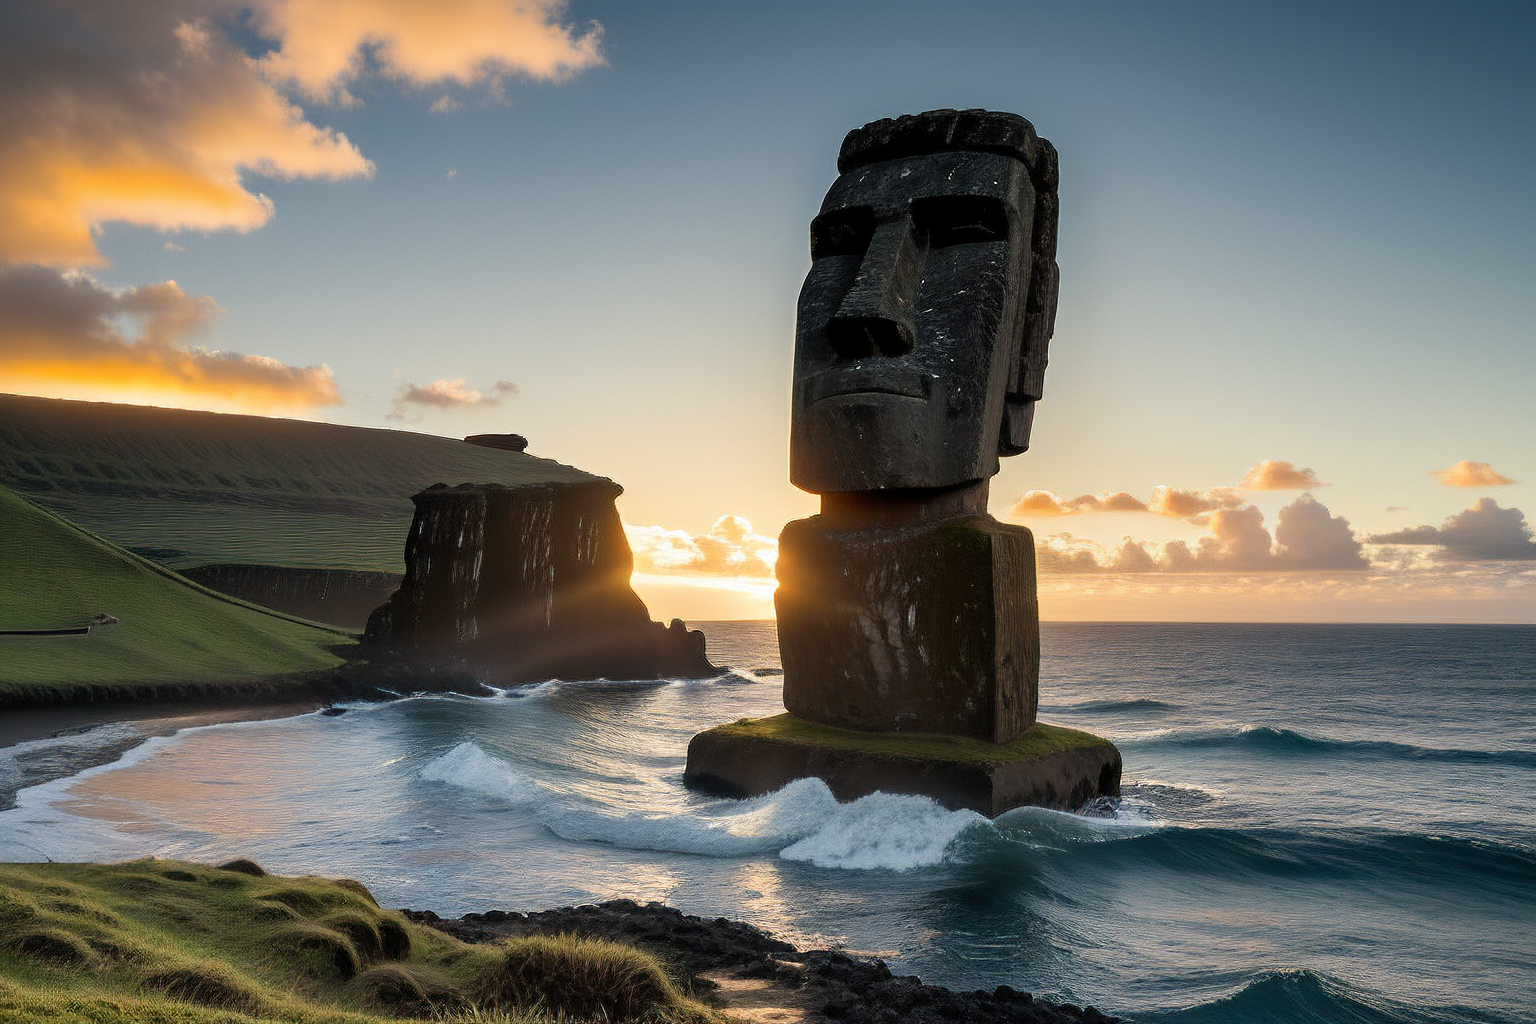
{"points": [[875, 317]]}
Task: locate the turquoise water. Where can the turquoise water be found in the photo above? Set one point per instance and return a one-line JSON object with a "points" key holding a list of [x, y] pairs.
{"points": [[1320, 823]]}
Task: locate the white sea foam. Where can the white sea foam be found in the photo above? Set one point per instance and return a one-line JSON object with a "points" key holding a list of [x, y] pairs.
{"points": [[33, 761], [883, 830], [467, 766], [802, 822]]}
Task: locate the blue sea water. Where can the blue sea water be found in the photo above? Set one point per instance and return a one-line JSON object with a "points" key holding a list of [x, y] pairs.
{"points": [[1320, 823]]}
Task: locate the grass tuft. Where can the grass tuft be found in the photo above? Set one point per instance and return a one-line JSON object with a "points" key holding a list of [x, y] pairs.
{"points": [[362, 932], [175, 943], [323, 953], [244, 867], [206, 985], [54, 946], [580, 979], [400, 991]]}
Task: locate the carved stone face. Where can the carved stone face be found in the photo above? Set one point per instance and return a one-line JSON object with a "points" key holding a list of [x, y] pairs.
{"points": [[910, 322]]}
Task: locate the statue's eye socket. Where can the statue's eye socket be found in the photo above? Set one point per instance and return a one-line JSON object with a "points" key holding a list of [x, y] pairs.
{"points": [[956, 220], [844, 232]]}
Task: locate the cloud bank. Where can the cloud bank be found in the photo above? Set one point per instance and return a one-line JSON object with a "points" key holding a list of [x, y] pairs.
{"points": [[1307, 537], [69, 336], [1044, 503], [1485, 532], [1165, 501], [1467, 473], [730, 548]]}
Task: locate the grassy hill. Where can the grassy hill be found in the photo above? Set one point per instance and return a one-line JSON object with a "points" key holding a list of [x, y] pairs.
{"points": [[197, 488], [179, 943], [56, 575]]}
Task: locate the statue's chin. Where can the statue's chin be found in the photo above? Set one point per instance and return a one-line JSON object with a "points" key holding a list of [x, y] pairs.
{"points": [[874, 441]]}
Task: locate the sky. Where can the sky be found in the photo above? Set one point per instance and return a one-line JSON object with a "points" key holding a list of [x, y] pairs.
{"points": [[1292, 371]]}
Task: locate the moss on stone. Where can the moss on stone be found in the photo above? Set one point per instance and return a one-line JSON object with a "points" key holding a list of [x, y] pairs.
{"points": [[1038, 740]]}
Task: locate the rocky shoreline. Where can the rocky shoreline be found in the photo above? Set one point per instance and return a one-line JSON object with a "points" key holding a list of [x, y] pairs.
{"points": [[751, 975]]}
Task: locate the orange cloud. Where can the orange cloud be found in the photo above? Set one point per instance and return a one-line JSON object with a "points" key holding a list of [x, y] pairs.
{"points": [[63, 336], [324, 45], [141, 114], [730, 548], [1181, 504], [1306, 537], [1277, 475], [448, 394], [1045, 503], [151, 114], [1467, 473]]}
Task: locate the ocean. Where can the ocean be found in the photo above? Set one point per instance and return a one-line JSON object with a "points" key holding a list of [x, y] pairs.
{"points": [[1319, 823]]}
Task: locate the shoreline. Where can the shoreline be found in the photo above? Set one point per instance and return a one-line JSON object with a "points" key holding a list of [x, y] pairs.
{"points": [[748, 974], [36, 747], [24, 725]]}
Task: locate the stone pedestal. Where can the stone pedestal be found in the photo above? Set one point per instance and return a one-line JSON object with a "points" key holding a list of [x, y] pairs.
{"points": [[927, 628], [1045, 766]]}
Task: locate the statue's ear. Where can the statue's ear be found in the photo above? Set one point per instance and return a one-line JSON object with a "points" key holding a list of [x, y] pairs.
{"points": [[1018, 418], [1028, 384]]}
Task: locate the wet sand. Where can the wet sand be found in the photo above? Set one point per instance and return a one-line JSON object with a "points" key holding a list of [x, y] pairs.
{"points": [[18, 725]]}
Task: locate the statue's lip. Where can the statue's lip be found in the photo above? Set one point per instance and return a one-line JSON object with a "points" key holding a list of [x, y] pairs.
{"points": [[841, 381]]}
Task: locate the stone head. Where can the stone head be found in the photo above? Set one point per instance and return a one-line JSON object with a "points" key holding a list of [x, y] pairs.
{"points": [[920, 340]]}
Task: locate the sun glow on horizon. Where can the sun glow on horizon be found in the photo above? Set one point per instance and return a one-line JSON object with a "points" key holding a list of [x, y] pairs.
{"points": [[158, 395]]}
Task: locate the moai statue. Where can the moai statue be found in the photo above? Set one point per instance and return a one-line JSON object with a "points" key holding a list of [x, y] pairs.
{"points": [[920, 352]]}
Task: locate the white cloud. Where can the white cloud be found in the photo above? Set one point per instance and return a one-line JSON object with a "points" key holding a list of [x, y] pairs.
{"points": [[729, 548]]}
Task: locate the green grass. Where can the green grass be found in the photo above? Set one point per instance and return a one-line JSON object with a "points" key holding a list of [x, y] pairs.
{"points": [[55, 575], [201, 488], [158, 940], [1036, 741]]}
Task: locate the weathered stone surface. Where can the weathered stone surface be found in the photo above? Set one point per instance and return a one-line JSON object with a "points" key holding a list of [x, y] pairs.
{"points": [[732, 761], [920, 351], [528, 583], [927, 628], [505, 442], [921, 336], [341, 597]]}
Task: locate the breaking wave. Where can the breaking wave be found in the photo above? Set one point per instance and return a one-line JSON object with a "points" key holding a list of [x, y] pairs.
{"points": [[801, 822]]}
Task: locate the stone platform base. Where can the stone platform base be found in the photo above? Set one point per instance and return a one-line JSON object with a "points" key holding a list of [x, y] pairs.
{"points": [[1046, 766]]}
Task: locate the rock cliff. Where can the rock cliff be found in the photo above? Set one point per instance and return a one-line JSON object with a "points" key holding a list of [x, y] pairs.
{"points": [[526, 583]]}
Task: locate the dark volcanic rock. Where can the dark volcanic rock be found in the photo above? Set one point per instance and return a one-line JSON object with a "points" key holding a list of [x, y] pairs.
{"points": [[527, 583], [922, 327], [726, 762], [506, 442], [341, 597], [833, 986], [927, 628]]}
